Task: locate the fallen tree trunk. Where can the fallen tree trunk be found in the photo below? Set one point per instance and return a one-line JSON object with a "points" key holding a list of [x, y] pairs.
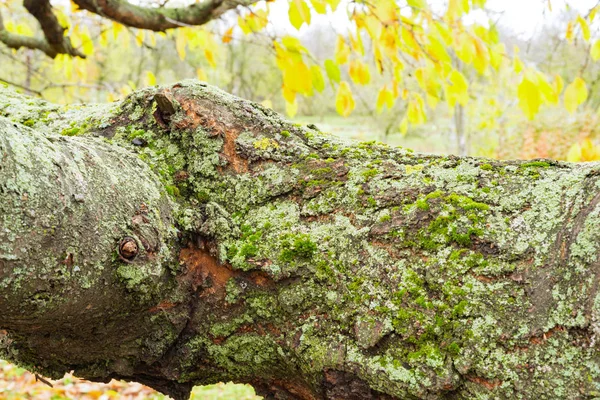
{"points": [[184, 236]]}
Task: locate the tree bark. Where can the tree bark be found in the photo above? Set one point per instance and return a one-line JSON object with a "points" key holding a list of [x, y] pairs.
{"points": [[184, 236]]}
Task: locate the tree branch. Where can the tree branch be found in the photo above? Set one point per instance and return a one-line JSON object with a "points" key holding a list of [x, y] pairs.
{"points": [[53, 31], [16, 41], [160, 19]]}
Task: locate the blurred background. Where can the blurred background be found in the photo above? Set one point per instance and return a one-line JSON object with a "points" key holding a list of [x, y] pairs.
{"points": [[541, 34]]}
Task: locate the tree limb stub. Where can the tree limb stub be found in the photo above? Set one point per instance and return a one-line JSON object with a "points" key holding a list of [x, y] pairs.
{"points": [[234, 245]]}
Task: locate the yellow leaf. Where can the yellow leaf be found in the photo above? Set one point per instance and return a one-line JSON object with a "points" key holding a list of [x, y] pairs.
{"points": [[357, 44], [63, 20], [117, 29], [297, 78], [418, 5], [288, 95], [529, 97], [342, 51], [210, 57], [593, 13], [547, 91], [201, 74], [344, 102], [456, 8], [385, 98], [150, 79], [359, 72], [574, 154], [570, 31], [466, 49], [458, 90], [497, 53], [244, 25], [589, 152], [386, 11], [139, 37], [291, 108], [299, 13], [432, 101], [320, 6], [482, 57], [404, 126], [293, 44], [317, 78], [595, 50], [517, 65], [416, 110], [180, 43], [583, 151], [575, 94], [228, 35], [333, 71], [254, 21], [585, 28], [86, 42], [438, 50], [558, 84], [333, 4], [103, 38]]}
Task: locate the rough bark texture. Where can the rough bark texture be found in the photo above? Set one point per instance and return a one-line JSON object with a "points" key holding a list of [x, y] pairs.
{"points": [[184, 236]]}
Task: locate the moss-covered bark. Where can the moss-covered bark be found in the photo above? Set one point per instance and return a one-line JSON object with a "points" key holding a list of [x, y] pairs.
{"points": [[275, 254]]}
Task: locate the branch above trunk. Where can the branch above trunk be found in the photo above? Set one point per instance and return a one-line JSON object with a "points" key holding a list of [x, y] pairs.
{"points": [[163, 18]]}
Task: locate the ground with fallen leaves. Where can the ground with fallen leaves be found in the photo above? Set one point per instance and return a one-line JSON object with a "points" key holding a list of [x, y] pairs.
{"points": [[19, 384]]}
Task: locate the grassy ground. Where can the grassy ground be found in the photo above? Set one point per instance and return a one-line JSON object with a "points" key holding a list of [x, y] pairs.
{"points": [[18, 384]]}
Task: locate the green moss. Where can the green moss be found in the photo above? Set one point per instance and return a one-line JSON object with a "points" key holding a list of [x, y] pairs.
{"points": [[466, 203], [203, 196], [299, 247], [385, 218], [536, 164], [248, 250], [322, 171], [172, 190], [422, 204], [70, 131], [486, 167], [285, 134], [370, 173]]}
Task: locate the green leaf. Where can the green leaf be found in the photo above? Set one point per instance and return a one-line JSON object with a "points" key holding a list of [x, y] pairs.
{"points": [[333, 71]]}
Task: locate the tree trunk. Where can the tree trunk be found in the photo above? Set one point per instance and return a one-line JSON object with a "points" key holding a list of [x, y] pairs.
{"points": [[184, 236]]}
